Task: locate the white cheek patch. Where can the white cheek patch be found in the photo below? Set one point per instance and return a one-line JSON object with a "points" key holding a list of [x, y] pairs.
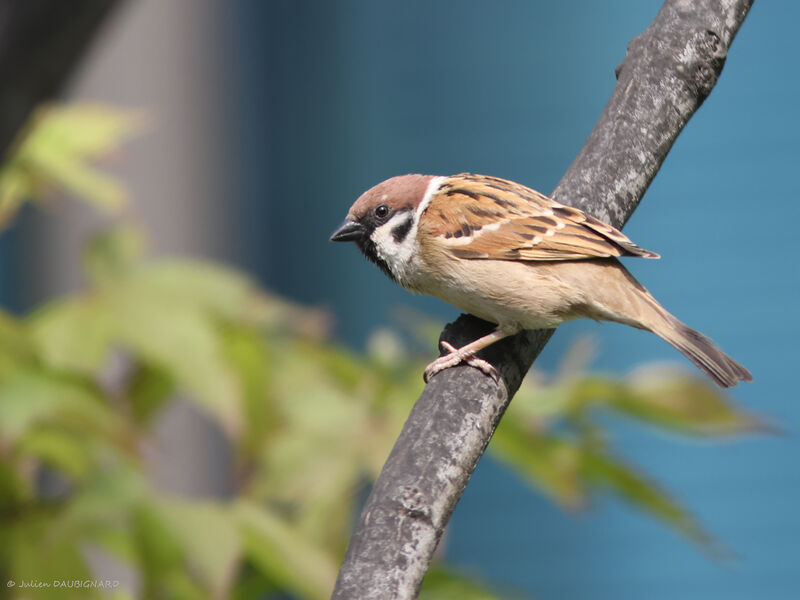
{"points": [[397, 253], [396, 240]]}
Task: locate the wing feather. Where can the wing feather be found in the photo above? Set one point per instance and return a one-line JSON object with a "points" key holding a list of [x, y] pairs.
{"points": [[481, 217]]}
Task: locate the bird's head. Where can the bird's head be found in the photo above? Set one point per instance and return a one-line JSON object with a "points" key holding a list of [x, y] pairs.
{"points": [[383, 221]]}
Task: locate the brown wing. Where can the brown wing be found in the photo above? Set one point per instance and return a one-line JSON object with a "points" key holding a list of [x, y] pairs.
{"points": [[476, 216]]}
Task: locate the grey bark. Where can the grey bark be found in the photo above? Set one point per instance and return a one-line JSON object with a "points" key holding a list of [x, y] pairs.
{"points": [[41, 41], [667, 73]]}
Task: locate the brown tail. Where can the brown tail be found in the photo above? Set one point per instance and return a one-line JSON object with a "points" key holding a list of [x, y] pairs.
{"points": [[698, 348], [627, 301], [695, 346]]}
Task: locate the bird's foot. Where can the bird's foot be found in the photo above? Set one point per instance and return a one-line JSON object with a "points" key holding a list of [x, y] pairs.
{"points": [[455, 357]]}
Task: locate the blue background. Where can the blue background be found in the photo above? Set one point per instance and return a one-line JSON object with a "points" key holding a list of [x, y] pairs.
{"points": [[336, 97]]}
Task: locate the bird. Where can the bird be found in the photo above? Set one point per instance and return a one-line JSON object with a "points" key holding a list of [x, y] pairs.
{"points": [[512, 256]]}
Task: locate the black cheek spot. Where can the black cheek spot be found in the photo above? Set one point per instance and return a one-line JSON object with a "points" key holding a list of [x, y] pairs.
{"points": [[400, 232]]}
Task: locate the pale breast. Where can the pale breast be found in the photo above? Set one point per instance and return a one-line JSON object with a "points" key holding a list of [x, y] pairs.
{"points": [[528, 295]]}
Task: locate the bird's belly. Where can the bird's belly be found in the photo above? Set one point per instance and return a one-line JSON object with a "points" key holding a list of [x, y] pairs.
{"points": [[525, 295]]}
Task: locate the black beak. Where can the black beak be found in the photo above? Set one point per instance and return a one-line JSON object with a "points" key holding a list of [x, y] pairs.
{"points": [[348, 231]]}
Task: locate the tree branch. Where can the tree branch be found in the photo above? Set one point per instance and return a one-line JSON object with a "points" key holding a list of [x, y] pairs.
{"points": [[667, 73]]}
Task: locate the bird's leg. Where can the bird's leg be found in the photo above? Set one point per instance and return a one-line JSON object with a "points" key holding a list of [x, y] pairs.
{"points": [[467, 354]]}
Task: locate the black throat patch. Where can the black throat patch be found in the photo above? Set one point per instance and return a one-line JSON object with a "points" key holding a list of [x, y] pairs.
{"points": [[367, 247]]}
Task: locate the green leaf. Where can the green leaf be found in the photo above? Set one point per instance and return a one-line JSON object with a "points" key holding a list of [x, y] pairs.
{"points": [[208, 538], [281, 552], [60, 449], [671, 400], [148, 390], [247, 353], [14, 338], [90, 130], [443, 584], [182, 340], [624, 480], [27, 399], [564, 469], [162, 558], [39, 554], [252, 584], [14, 488], [170, 332], [551, 463], [16, 186], [317, 477], [17, 350], [71, 174], [56, 149], [75, 333], [221, 291], [100, 511], [113, 254]]}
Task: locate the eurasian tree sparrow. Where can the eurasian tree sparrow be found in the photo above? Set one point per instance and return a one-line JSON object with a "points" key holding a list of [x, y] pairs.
{"points": [[512, 256]]}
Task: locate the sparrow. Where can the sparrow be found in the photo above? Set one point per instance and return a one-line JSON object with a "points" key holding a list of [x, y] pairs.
{"points": [[514, 257]]}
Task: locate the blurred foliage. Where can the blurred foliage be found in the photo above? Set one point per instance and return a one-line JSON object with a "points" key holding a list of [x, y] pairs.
{"points": [[55, 150], [84, 378]]}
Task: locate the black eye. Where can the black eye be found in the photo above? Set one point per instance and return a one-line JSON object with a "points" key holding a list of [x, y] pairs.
{"points": [[382, 211]]}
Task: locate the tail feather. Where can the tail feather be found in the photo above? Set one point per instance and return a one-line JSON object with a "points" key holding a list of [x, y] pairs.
{"points": [[701, 350], [698, 348], [617, 296]]}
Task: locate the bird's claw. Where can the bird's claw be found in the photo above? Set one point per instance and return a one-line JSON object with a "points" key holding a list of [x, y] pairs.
{"points": [[455, 357]]}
